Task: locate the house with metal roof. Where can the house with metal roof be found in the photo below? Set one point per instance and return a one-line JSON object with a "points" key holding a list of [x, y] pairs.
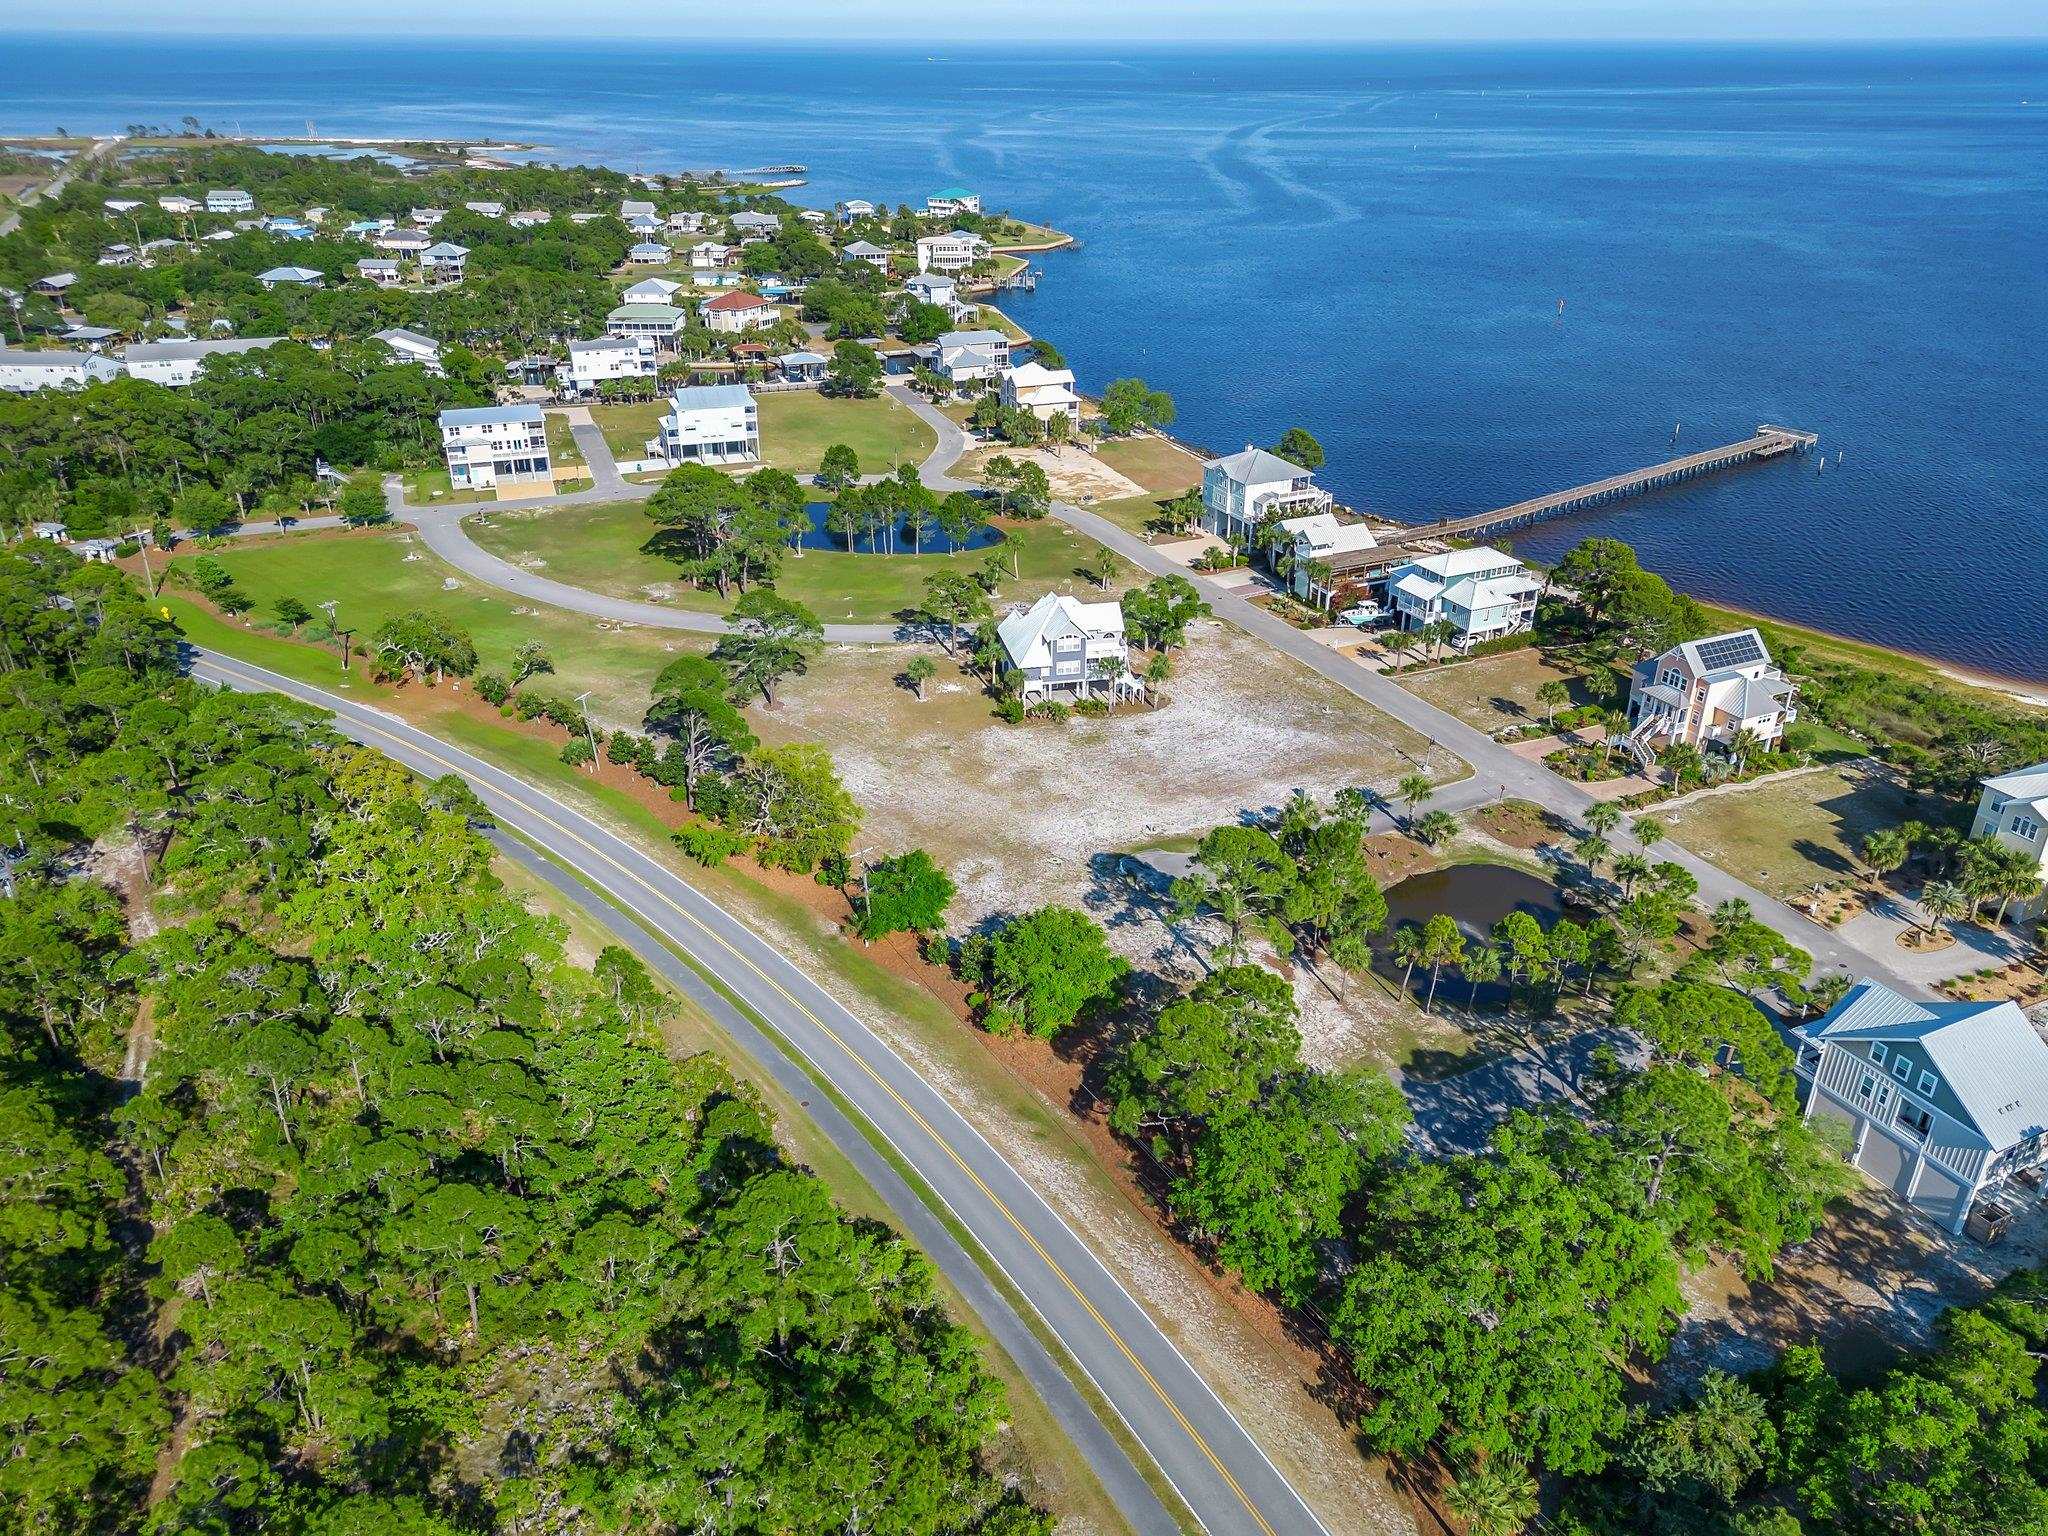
{"points": [[178, 363], [648, 253], [951, 202], [604, 358], [1323, 552], [659, 323], [867, 253], [748, 222], [802, 367], [1481, 592], [651, 290], [1044, 392], [230, 200], [402, 242], [289, 277], [411, 347], [970, 357], [23, 373], [632, 208], [56, 283], [1706, 693], [487, 210], [491, 445], [709, 424], [1067, 649], [1242, 490], [950, 252], [2013, 809], [444, 262], [1944, 1102], [381, 270], [854, 209]]}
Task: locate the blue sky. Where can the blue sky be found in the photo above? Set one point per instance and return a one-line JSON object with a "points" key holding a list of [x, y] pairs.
{"points": [[1062, 22]]}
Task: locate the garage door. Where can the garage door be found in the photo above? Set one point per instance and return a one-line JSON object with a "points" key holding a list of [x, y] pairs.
{"points": [[1938, 1196], [1884, 1159]]}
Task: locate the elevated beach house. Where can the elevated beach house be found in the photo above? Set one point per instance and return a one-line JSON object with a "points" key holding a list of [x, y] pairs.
{"points": [[490, 445], [971, 357], [1242, 490], [1944, 1102], [648, 253], [951, 202], [178, 363], [230, 200], [868, 253], [950, 252], [750, 224], [1320, 548], [709, 424], [1705, 693], [1481, 592], [23, 373], [1044, 392], [854, 209], [410, 347], [1066, 649], [595, 362], [289, 277], [732, 313], [2014, 809], [659, 323], [651, 290], [380, 270], [444, 262]]}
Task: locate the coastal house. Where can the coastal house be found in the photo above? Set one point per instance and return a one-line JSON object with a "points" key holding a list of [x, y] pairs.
{"points": [[971, 357], [1066, 649], [651, 290], [813, 216], [117, 255], [685, 221], [55, 285], [802, 367], [427, 218], [55, 532], [709, 424], [1044, 392], [94, 338], [853, 210], [1944, 1102], [368, 229], [1705, 693], [1320, 547], [23, 373], [731, 313], [230, 200], [178, 363], [289, 277], [712, 253], [658, 323], [644, 225], [1242, 490], [760, 226], [398, 241], [935, 288], [380, 270], [490, 445], [411, 347], [592, 363], [868, 253], [1481, 592], [444, 262], [121, 205], [631, 208], [2013, 809], [950, 252], [529, 218], [486, 210], [97, 551], [177, 203], [648, 253], [584, 216], [951, 203], [317, 215]]}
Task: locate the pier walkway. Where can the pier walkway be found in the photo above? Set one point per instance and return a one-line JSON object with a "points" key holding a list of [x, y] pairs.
{"points": [[1768, 443]]}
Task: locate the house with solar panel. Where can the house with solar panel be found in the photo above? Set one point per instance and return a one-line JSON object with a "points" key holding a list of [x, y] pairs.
{"points": [[1944, 1103], [1706, 693], [2013, 811]]}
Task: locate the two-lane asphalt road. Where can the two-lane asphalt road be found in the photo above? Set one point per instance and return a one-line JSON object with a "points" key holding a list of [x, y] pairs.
{"points": [[1217, 1469]]}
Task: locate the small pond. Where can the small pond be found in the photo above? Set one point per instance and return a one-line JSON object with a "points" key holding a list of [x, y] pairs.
{"points": [[1476, 895], [892, 541]]}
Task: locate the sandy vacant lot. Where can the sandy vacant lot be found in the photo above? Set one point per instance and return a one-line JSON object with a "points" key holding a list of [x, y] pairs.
{"points": [[1493, 693], [1074, 473], [1023, 815]]}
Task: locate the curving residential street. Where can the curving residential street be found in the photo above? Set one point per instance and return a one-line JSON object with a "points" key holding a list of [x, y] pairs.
{"points": [[1218, 1469]]}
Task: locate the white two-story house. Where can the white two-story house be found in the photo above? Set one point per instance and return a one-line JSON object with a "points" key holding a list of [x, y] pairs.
{"points": [[411, 347], [592, 363], [1064, 648], [971, 357], [230, 200], [444, 262], [1044, 392], [178, 363], [1704, 693], [1316, 543], [1242, 490], [732, 313], [950, 252], [1482, 592], [490, 445], [709, 424], [23, 373], [951, 203], [2014, 810], [658, 323], [1945, 1102]]}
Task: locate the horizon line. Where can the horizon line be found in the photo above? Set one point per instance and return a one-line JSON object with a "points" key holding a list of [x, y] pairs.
{"points": [[1264, 44]]}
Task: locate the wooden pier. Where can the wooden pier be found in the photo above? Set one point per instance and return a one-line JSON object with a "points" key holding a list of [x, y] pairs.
{"points": [[1769, 443]]}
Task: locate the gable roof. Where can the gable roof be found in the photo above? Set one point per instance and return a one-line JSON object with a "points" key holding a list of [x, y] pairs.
{"points": [[489, 415], [711, 397], [182, 351], [1024, 631], [1988, 1055], [1255, 466], [2022, 783], [398, 336]]}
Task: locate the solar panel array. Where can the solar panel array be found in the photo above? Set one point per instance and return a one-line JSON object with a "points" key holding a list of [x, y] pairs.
{"points": [[1730, 651]]}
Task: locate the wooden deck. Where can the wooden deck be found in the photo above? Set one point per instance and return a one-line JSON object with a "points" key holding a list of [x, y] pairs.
{"points": [[1769, 443]]}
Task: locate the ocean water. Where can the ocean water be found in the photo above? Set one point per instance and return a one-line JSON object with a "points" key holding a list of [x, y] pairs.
{"points": [[1373, 244]]}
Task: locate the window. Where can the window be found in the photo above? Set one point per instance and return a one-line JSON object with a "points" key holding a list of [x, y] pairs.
{"points": [[2025, 828], [1863, 1088], [1902, 1069], [1877, 1054], [1926, 1084]]}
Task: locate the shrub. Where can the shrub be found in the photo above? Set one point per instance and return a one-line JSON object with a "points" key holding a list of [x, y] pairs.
{"points": [[493, 689], [1048, 709], [1500, 645], [936, 949], [624, 747], [835, 869], [708, 845], [1010, 710], [576, 752], [1093, 709], [529, 706]]}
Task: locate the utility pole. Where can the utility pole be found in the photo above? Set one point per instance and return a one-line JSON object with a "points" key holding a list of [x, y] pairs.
{"points": [[589, 731], [142, 538]]}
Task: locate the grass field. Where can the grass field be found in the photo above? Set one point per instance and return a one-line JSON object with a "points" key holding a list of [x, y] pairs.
{"points": [[599, 547], [562, 447], [994, 319], [1160, 466], [1791, 834], [1493, 693], [426, 486], [373, 577], [626, 428]]}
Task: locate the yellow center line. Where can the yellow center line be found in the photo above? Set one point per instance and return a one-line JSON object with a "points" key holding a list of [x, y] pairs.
{"points": [[881, 1082]]}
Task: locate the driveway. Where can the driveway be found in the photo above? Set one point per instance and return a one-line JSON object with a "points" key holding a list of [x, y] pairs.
{"points": [[1877, 928]]}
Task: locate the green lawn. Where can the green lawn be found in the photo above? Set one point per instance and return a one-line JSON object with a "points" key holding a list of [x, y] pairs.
{"points": [[798, 425], [1159, 465], [599, 548], [561, 441], [995, 319], [374, 577], [426, 486], [626, 428]]}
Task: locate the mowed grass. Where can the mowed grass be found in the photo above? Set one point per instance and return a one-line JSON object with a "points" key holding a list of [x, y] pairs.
{"points": [[797, 426], [1161, 466], [377, 576], [1790, 834], [599, 547], [561, 440], [1494, 693]]}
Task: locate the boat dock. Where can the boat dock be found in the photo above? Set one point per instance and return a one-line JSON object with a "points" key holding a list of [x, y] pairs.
{"points": [[1769, 443]]}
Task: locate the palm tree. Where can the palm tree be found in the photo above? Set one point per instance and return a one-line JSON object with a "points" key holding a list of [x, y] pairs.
{"points": [[1553, 695], [1480, 965], [1495, 1498], [1409, 951], [1400, 642], [1603, 816], [1592, 850], [1629, 869], [1884, 849], [1436, 826], [1442, 945], [1943, 901], [1823, 994], [1649, 831], [1413, 790], [1743, 746]]}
